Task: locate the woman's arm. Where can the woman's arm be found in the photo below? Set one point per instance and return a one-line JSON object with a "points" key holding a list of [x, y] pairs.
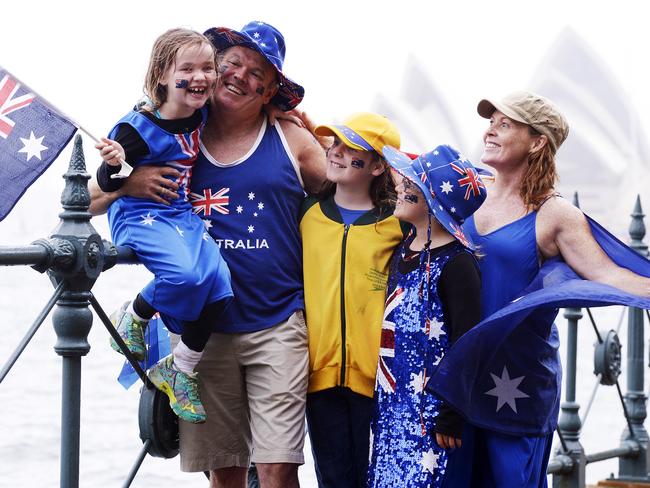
{"points": [[563, 229]]}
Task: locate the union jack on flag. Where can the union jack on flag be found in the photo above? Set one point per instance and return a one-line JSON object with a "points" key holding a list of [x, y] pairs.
{"points": [[32, 135], [206, 203], [470, 180]]}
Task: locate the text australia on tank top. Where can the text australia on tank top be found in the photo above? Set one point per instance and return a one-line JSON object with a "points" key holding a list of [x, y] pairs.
{"points": [[251, 209]]}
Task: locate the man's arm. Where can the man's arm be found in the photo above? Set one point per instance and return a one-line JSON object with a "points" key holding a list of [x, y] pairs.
{"points": [[309, 153], [147, 181]]}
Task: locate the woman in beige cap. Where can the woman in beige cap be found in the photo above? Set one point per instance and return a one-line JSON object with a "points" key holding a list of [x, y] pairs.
{"points": [[522, 224]]}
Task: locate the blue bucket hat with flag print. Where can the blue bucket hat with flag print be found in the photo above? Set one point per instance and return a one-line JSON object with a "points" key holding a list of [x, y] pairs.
{"points": [[451, 185], [269, 42]]}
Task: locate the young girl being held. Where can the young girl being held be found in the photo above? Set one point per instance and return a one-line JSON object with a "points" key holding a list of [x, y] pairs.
{"points": [[348, 236], [433, 297], [191, 284]]}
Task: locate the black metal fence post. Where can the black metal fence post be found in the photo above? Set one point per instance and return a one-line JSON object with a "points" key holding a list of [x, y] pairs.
{"points": [[569, 422], [77, 260], [635, 468]]}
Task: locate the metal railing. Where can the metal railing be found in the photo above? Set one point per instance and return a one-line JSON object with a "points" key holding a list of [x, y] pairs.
{"points": [[75, 255], [569, 463]]}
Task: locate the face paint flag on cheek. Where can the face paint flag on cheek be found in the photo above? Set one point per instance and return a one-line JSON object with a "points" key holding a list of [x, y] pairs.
{"points": [[182, 83], [411, 199], [358, 163]]}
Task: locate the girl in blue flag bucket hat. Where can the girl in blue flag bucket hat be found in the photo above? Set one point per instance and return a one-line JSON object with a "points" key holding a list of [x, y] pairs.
{"points": [[433, 297]]}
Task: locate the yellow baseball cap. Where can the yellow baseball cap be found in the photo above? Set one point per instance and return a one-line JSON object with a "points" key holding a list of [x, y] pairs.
{"points": [[364, 131]]}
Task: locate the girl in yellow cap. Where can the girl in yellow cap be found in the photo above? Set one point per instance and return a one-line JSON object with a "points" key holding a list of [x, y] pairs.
{"points": [[348, 235]]}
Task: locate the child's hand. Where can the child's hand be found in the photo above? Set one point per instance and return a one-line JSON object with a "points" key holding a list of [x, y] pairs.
{"points": [[111, 151], [274, 114], [447, 441]]}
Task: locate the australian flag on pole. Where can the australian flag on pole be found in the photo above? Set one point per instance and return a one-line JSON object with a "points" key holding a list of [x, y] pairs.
{"points": [[32, 135], [504, 374]]}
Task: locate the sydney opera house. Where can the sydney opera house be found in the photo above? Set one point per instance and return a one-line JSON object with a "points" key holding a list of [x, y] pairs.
{"points": [[605, 159]]}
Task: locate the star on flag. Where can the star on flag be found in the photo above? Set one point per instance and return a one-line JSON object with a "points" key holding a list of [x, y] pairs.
{"points": [[251, 196], [33, 146], [429, 460], [505, 389], [446, 187], [147, 219]]}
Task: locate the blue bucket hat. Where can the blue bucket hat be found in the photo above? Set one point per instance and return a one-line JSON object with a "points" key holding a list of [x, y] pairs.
{"points": [[269, 42], [450, 184]]}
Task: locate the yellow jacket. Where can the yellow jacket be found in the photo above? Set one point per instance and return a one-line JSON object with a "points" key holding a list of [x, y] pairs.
{"points": [[345, 272]]}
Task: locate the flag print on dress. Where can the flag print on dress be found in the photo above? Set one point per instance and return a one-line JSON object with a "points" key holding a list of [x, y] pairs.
{"points": [[170, 240], [32, 135], [414, 338], [512, 385]]}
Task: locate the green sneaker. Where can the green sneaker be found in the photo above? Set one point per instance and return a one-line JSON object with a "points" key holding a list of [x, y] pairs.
{"points": [[181, 388], [131, 330]]}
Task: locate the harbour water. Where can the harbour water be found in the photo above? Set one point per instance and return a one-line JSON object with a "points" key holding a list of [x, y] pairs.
{"points": [[30, 395]]}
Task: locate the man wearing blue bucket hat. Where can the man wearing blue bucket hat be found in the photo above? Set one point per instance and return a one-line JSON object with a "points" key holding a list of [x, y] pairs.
{"points": [[433, 297], [248, 185]]}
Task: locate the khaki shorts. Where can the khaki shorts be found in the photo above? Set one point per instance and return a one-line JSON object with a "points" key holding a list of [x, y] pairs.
{"points": [[253, 387]]}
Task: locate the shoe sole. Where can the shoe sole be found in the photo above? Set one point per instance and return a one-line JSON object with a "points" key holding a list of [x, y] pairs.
{"points": [[164, 386]]}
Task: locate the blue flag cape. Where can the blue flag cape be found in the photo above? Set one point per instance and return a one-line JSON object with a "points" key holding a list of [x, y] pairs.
{"points": [[504, 374]]}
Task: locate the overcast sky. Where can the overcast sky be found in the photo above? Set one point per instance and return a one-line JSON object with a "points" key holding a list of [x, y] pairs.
{"points": [[89, 58]]}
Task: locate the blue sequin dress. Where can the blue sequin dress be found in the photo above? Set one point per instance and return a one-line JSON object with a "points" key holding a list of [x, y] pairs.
{"points": [[414, 338]]}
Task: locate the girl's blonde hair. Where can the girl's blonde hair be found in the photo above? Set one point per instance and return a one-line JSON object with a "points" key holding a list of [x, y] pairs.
{"points": [[163, 57], [540, 177]]}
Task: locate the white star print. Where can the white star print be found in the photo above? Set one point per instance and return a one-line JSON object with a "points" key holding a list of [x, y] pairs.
{"points": [[251, 229], [256, 35], [435, 329], [440, 207], [260, 206], [505, 389], [435, 153], [251, 196], [262, 44], [147, 219], [453, 209], [254, 214], [446, 187], [33, 146], [429, 460], [428, 164], [239, 209], [207, 223], [417, 382], [179, 231]]}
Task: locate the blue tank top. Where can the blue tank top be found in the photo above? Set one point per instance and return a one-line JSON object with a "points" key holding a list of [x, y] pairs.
{"points": [[165, 148], [509, 262], [251, 208]]}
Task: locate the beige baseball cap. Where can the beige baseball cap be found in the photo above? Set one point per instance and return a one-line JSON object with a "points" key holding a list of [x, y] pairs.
{"points": [[530, 109]]}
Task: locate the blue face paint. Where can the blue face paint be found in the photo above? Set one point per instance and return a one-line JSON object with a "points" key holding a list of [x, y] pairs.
{"points": [[182, 83], [222, 69], [358, 163], [259, 90]]}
